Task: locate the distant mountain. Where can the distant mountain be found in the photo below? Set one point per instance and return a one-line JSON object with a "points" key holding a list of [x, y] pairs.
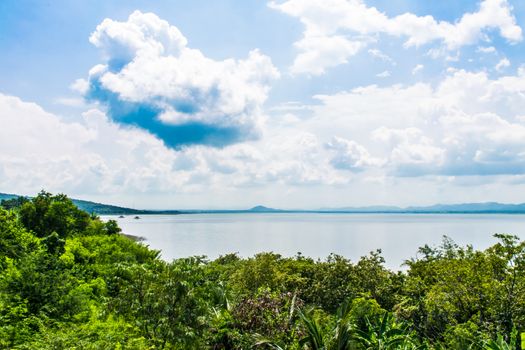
{"points": [[263, 209]]}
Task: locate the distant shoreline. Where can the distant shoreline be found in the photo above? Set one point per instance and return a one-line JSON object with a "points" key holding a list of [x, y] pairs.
{"points": [[463, 208], [192, 212]]}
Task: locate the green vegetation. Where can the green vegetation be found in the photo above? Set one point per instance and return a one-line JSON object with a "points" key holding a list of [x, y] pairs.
{"points": [[70, 281]]}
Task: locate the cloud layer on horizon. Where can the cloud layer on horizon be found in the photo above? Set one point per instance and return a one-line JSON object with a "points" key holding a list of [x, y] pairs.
{"points": [[467, 126]]}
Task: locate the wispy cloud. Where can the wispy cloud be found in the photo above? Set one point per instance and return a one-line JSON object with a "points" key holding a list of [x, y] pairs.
{"points": [[338, 29], [383, 74], [502, 64], [381, 55], [418, 68], [486, 49]]}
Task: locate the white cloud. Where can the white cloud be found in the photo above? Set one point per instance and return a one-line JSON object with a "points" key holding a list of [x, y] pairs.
{"points": [[349, 155], [382, 56], [148, 66], [320, 52], [80, 85], [71, 102], [384, 74], [40, 150], [142, 34], [410, 147], [502, 64], [352, 23], [418, 68], [486, 49]]}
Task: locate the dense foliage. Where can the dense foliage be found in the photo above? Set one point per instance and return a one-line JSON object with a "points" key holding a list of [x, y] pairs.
{"points": [[69, 280]]}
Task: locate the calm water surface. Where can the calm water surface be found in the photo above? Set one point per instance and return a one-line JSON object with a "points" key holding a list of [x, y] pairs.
{"points": [[315, 235]]}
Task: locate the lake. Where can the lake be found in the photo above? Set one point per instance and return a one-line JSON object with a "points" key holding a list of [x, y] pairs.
{"points": [[315, 235]]}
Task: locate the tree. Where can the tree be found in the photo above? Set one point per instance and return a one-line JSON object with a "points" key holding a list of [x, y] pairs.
{"points": [[46, 213], [112, 227]]}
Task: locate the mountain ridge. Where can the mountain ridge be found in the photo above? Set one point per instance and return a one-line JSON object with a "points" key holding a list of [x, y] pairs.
{"points": [[460, 208], [482, 207]]}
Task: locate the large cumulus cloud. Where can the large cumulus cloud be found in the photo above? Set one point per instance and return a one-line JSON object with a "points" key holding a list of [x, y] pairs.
{"points": [[151, 79]]}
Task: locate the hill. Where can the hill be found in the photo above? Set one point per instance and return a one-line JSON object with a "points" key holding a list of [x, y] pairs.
{"points": [[6, 196], [106, 209], [263, 209], [97, 208]]}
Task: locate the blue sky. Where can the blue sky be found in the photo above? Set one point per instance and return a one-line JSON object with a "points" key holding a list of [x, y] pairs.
{"points": [[296, 103]]}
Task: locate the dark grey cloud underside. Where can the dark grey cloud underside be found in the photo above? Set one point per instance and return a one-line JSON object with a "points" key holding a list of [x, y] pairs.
{"points": [[146, 116]]}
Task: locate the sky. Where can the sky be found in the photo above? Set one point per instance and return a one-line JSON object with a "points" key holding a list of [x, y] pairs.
{"points": [[297, 104]]}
